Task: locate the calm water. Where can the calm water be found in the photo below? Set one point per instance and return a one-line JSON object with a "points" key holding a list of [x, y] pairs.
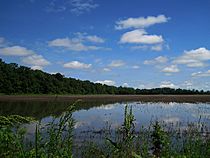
{"points": [[91, 118]]}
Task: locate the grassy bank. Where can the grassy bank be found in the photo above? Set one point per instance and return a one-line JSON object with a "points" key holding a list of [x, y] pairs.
{"points": [[55, 139]]}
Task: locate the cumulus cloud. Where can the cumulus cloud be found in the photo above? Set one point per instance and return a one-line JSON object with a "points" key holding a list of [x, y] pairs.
{"points": [[116, 63], [171, 69], [107, 82], [157, 60], [167, 84], [79, 43], [27, 56], [76, 65], [15, 51], [194, 58], [201, 74], [84, 37], [140, 22], [125, 84], [140, 36], [35, 60], [95, 39]]}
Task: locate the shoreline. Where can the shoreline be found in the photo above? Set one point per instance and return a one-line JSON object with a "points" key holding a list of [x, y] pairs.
{"points": [[117, 98]]}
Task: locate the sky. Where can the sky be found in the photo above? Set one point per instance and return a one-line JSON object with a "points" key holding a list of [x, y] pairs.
{"points": [[130, 43]]}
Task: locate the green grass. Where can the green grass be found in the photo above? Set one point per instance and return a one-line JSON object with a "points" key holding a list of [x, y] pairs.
{"points": [[55, 139], [52, 140]]}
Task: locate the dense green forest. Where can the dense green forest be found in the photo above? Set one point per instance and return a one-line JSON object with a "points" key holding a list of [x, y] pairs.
{"points": [[15, 79]]}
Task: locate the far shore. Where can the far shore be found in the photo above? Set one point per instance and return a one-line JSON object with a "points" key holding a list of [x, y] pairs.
{"points": [[117, 98]]}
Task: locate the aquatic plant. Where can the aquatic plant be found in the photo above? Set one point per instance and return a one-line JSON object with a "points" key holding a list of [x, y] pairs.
{"points": [[160, 140], [14, 120], [123, 147], [55, 139], [51, 140], [151, 142]]}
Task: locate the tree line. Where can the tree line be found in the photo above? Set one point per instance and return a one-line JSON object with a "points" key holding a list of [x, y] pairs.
{"points": [[15, 79]]}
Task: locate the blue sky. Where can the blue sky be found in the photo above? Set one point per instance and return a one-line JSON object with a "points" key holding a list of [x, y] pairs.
{"points": [[138, 43]]}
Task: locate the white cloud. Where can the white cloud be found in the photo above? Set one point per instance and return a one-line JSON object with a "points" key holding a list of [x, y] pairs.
{"points": [[107, 82], [116, 63], [106, 69], [196, 64], [76, 65], [57, 6], [157, 60], [84, 37], [35, 60], [78, 43], [187, 84], [194, 58], [171, 69], [82, 6], [28, 57], [15, 51], [140, 22], [72, 45], [140, 36], [167, 84], [95, 39], [2, 42], [156, 48], [135, 67], [201, 74], [125, 84], [37, 67], [76, 7]]}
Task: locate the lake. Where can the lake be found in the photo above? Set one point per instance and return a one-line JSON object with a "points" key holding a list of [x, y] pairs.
{"points": [[92, 118]]}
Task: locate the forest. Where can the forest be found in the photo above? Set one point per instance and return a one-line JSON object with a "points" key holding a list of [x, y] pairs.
{"points": [[16, 79]]}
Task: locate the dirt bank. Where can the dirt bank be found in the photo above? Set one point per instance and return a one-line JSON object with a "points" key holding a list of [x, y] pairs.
{"points": [[142, 98]]}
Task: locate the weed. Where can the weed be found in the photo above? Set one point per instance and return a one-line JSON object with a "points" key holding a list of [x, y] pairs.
{"points": [[57, 142]]}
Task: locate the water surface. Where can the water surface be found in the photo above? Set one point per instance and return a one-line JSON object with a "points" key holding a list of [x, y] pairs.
{"points": [[92, 118]]}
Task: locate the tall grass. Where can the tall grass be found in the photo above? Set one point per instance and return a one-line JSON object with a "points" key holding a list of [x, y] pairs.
{"points": [[55, 139], [51, 140]]}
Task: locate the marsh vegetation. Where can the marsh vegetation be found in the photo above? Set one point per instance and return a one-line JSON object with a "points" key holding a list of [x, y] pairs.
{"points": [[56, 138]]}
